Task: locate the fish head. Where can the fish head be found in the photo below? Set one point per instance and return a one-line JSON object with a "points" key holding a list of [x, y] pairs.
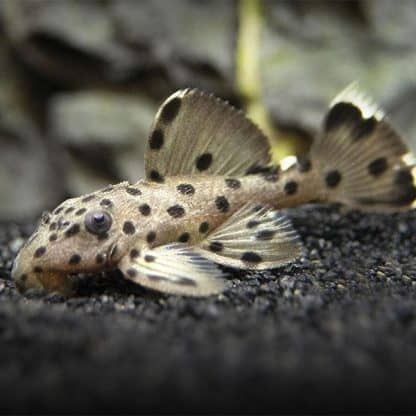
{"points": [[83, 234]]}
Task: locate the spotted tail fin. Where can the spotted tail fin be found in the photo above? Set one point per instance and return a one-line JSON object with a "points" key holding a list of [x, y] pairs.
{"points": [[361, 160]]}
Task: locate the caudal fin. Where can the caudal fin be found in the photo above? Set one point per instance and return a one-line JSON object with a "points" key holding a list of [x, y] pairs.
{"points": [[362, 161]]}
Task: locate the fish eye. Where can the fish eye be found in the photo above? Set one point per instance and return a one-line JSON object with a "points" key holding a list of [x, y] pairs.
{"points": [[98, 222]]}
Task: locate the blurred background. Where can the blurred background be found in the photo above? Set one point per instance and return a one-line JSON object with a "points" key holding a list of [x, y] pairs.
{"points": [[80, 81]]}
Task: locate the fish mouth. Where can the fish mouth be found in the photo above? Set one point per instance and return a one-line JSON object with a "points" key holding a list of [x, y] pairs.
{"points": [[49, 281], [55, 280], [45, 281]]}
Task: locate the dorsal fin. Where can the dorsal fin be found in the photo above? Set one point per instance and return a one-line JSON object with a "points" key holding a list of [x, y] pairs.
{"points": [[197, 133]]}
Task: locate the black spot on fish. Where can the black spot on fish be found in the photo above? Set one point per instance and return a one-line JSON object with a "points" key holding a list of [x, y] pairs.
{"points": [[68, 210], [271, 177], [204, 227], [75, 259], [176, 211], [170, 110], [186, 189], [222, 203], [37, 269], [333, 178], [185, 281], [255, 169], [106, 203], [364, 128], [53, 237], [45, 218], [149, 258], [131, 272], [62, 224], [184, 237], [403, 177], [155, 277], [272, 174], [72, 230], [265, 234], [156, 139], [81, 211], [134, 253], [145, 209], [133, 191], [252, 224], [204, 161], [88, 198], [304, 164], [155, 176], [232, 183], [151, 237], [58, 210], [341, 114], [407, 197], [377, 166], [216, 246], [40, 251], [251, 257], [290, 187], [53, 226], [129, 228]]}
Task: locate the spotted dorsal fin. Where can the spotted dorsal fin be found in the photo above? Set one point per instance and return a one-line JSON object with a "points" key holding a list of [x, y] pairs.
{"points": [[173, 268], [197, 133], [255, 237]]}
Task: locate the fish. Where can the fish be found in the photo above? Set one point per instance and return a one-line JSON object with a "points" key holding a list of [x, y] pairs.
{"points": [[212, 198]]}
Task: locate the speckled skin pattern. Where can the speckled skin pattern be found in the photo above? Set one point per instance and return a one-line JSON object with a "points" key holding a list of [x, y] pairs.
{"points": [[211, 196], [180, 209]]}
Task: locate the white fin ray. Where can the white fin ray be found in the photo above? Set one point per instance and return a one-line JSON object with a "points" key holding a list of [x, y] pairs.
{"points": [[173, 268], [354, 95], [255, 237], [195, 133]]}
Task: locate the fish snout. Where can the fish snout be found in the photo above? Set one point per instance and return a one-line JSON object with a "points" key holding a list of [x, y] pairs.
{"points": [[23, 272], [45, 281], [24, 279]]}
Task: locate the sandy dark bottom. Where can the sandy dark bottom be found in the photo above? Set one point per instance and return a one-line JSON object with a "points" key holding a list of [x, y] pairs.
{"points": [[335, 331]]}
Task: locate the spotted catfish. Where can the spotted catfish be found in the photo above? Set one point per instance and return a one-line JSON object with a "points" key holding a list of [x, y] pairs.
{"points": [[210, 197]]}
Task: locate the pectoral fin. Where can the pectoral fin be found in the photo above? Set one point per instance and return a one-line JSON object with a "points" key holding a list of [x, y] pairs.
{"points": [[255, 237], [173, 268]]}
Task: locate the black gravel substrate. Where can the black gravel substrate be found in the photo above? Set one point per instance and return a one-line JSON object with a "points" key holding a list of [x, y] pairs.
{"points": [[334, 332]]}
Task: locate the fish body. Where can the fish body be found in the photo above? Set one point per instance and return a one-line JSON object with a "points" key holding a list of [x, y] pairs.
{"points": [[181, 209], [211, 197]]}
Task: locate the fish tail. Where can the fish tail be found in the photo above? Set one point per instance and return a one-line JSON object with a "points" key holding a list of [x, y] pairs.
{"points": [[359, 160]]}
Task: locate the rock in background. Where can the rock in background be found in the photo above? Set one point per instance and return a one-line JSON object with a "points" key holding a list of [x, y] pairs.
{"points": [[311, 50], [81, 80]]}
